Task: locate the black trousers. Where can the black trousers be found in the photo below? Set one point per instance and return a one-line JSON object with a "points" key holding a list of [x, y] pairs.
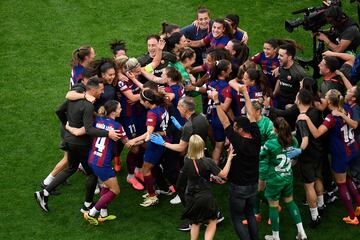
{"points": [[76, 154], [242, 203]]}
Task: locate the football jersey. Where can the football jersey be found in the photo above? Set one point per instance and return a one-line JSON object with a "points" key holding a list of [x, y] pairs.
{"points": [[223, 88], [342, 137], [158, 118], [274, 156], [238, 100], [266, 129], [76, 74], [219, 42], [129, 110], [267, 66], [178, 91], [102, 148]]}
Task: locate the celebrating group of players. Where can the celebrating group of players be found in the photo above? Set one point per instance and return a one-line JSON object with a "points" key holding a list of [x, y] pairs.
{"points": [[144, 104]]}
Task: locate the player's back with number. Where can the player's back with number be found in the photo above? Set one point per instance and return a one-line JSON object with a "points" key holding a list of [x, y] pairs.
{"points": [[102, 148], [279, 165]]}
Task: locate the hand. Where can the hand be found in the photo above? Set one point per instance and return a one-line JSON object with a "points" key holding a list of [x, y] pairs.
{"points": [[196, 24], [327, 53], [214, 95], [90, 98], [157, 139], [303, 117], [337, 113], [242, 88], [129, 144], [231, 153], [175, 122], [130, 75], [189, 88], [67, 126], [114, 135], [275, 72], [294, 152], [161, 44], [340, 73]]}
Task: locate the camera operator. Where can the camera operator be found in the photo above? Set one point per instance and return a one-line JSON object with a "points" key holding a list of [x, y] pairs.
{"points": [[344, 34]]}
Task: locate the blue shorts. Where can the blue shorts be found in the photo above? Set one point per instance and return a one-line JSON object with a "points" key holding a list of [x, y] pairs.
{"points": [[153, 153], [341, 165], [218, 129], [104, 173]]}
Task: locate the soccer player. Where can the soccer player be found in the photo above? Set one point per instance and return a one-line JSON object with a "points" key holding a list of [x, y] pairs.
{"points": [[279, 177], [100, 155], [118, 48], [81, 58], [156, 122], [218, 36], [343, 150]]}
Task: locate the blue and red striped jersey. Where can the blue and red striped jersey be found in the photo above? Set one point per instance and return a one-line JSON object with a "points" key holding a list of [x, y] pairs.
{"points": [[102, 148], [158, 118], [76, 74], [224, 90], [219, 42], [238, 100], [267, 66], [178, 90], [342, 137], [129, 110]]}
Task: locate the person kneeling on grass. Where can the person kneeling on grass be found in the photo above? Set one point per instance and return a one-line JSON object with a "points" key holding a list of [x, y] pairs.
{"points": [[100, 156], [200, 205]]}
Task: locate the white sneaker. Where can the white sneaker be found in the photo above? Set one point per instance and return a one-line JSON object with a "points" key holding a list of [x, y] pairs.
{"points": [[175, 200], [269, 237], [150, 201]]}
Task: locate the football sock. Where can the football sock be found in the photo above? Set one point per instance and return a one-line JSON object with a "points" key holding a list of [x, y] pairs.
{"points": [[345, 197], [105, 200], [103, 212], [130, 162], [294, 212], [353, 190], [314, 213], [130, 176], [93, 211], [274, 217], [320, 200], [48, 179], [104, 190], [137, 169], [276, 235], [149, 184], [46, 193]]}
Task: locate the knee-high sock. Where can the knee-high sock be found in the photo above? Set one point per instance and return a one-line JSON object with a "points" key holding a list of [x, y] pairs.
{"points": [[294, 211], [353, 190], [274, 217], [140, 157], [149, 184], [131, 162], [103, 191], [345, 197], [105, 200]]}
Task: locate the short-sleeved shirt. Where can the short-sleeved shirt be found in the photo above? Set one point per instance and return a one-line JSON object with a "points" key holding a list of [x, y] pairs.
{"points": [[266, 129], [178, 91], [342, 138], [332, 83], [219, 42], [197, 124], [290, 82], [238, 100], [224, 90], [76, 74], [315, 146], [238, 35], [102, 148], [349, 31], [158, 118], [244, 168]]}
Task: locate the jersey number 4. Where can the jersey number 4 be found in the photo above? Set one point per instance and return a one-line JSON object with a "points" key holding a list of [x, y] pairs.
{"points": [[100, 146]]}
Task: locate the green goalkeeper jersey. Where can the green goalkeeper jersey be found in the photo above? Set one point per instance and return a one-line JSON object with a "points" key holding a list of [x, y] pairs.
{"points": [[275, 160], [266, 129]]}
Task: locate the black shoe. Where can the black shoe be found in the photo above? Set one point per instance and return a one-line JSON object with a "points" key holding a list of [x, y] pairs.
{"points": [[220, 217], [321, 210], [184, 226], [315, 223], [85, 209], [329, 198], [54, 192], [41, 200]]}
